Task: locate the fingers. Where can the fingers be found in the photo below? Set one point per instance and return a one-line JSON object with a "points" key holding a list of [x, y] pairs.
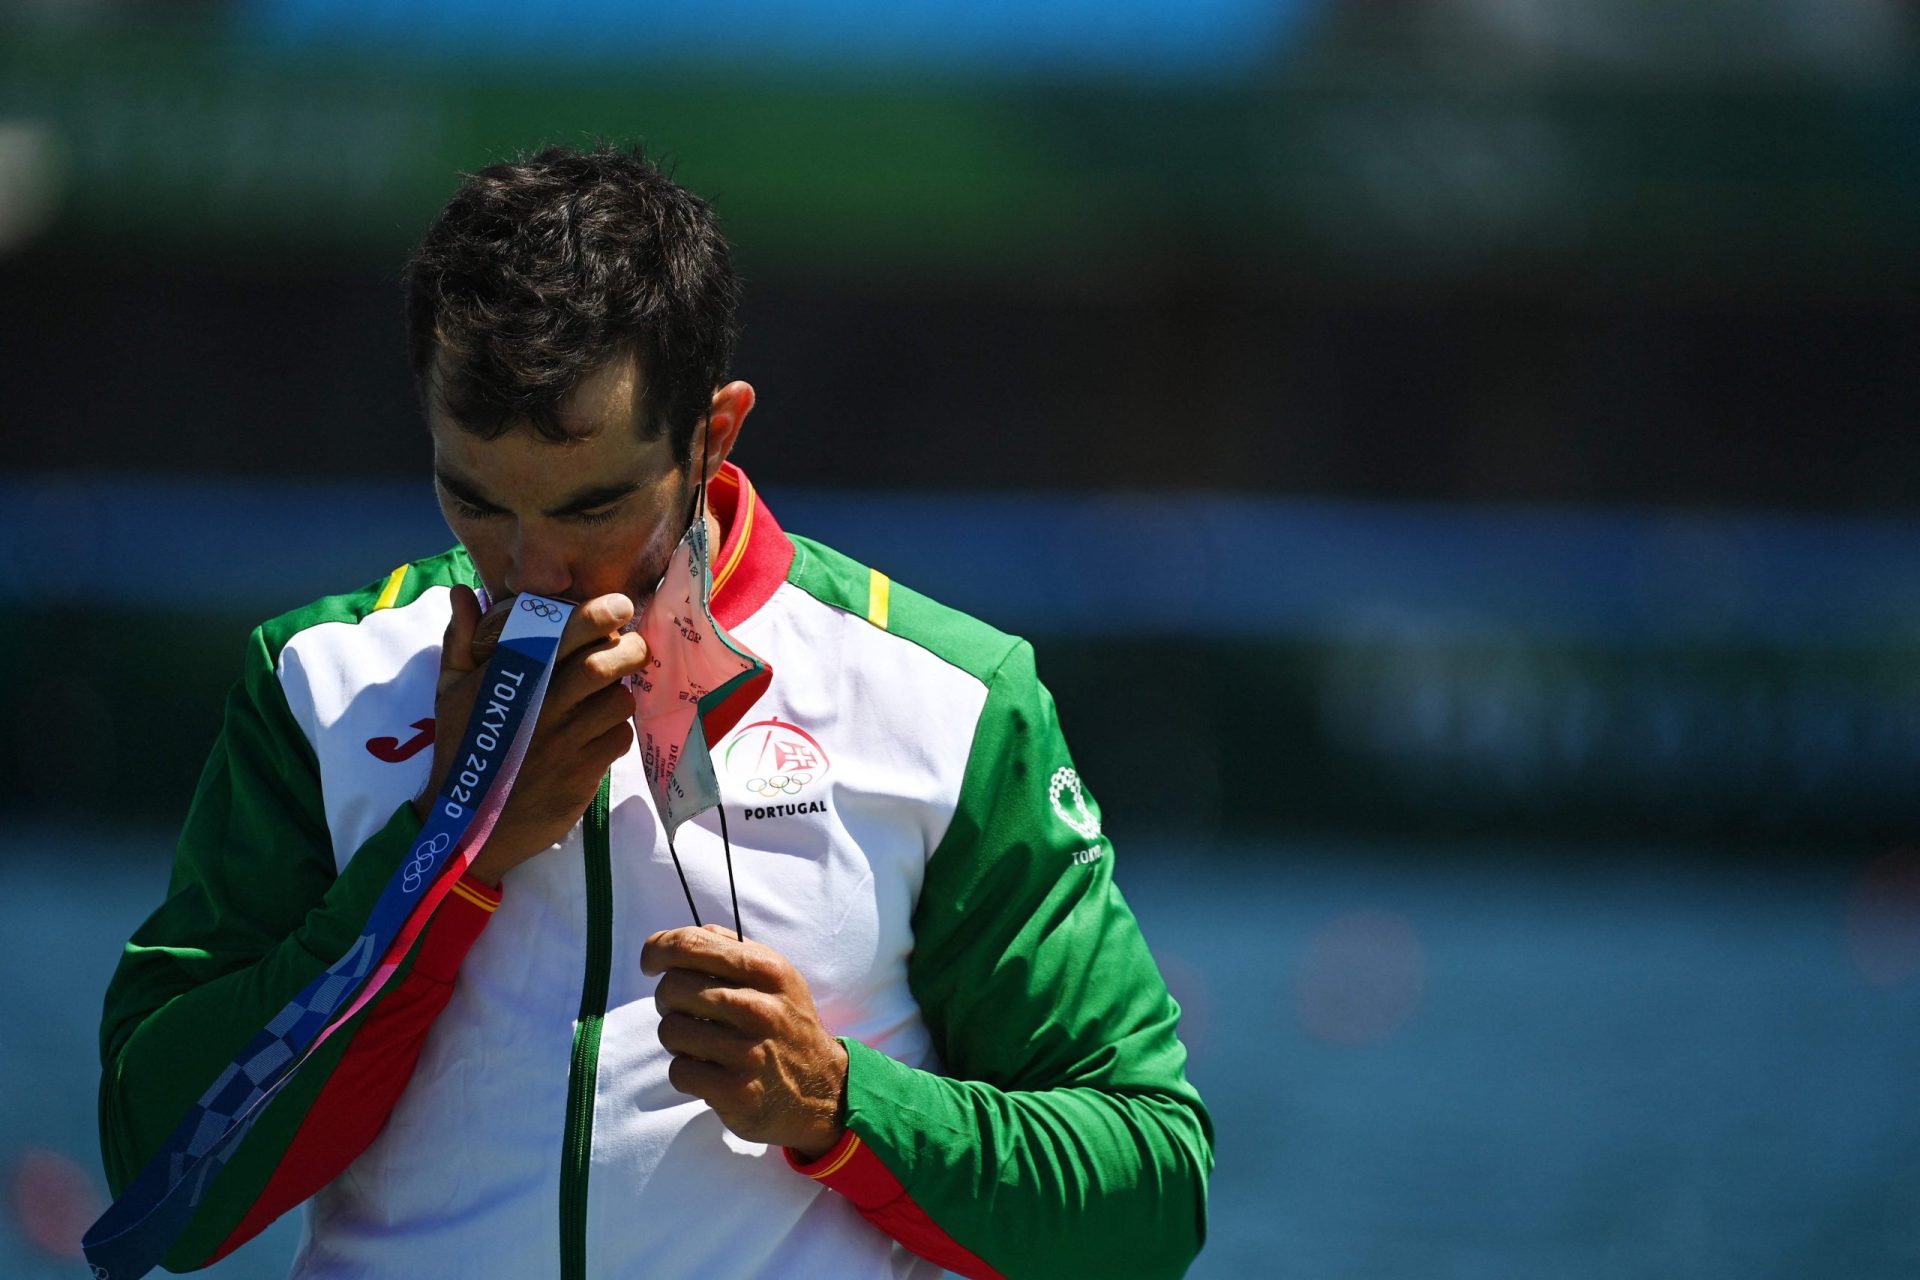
{"points": [[745, 1038], [595, 620], [604, 749], [577, 753], [621, 656], [714, 952], [456, 646], [607, 710], [593, 655], [716, 1042], [585, 724], [596, 666], [709, 999], [486, 636], [708, 1081]]}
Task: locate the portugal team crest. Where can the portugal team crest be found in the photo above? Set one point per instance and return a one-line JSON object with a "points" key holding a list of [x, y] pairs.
{"points": [[774, 759]]}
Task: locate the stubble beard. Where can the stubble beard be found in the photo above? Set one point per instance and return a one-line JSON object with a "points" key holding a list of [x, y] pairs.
{"points": [[645, 583]]}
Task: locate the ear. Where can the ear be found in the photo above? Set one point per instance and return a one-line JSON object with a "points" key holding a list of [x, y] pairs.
{"points": [[731, 405]]}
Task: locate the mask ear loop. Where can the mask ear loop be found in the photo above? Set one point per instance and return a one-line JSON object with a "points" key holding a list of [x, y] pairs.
{"points": [[699, 512], [726, 847]]}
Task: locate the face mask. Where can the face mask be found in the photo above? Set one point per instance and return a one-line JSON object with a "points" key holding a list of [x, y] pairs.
{"points": [[698, 683]]}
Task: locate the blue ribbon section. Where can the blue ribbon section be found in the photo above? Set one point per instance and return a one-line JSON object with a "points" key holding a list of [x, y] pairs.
{"points": [[136, 1231]]}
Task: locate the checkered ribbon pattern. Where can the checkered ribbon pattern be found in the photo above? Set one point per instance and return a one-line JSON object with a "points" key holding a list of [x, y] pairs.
{"points": [[136, 1231]]}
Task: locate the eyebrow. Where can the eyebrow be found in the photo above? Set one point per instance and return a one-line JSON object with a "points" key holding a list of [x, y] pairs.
{"points": [[585, 500]]}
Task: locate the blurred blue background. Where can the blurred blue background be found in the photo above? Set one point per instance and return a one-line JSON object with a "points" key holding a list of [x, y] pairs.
{"points": [[1455, 458]]}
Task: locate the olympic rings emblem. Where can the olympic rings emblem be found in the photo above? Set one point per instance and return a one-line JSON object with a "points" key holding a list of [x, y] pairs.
{"points": [[1066, 781], [539, 608], [422, 861], [778, 784]]}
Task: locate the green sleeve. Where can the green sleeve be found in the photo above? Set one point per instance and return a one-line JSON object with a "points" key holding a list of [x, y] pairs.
{"points": [[254, 911], [1066, 1140]]}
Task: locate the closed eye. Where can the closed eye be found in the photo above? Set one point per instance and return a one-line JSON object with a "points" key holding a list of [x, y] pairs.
{"points": [[601, 516], [468, 511]]}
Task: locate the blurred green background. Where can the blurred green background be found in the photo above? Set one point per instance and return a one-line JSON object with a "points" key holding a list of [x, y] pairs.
{"points": [[1455, 459]]}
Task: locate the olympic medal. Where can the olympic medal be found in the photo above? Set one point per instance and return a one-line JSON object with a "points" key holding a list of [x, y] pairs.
{"points": [[487, 634]]}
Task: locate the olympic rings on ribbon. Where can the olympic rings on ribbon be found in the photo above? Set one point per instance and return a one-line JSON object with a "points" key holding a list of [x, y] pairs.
{"points": [[539, 608], [422, 861]]}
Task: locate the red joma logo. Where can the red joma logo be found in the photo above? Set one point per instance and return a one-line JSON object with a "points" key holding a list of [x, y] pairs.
{"points": [[393, 751]]}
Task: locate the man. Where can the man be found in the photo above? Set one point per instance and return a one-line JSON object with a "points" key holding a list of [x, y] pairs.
{"points": [[943, 1034]]}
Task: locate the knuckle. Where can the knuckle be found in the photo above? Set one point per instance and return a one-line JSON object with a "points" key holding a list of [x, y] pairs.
{"points": [[730, 1004], [662, 946], [694, 985], [747, 1010], [762, 969], [608, 661]]}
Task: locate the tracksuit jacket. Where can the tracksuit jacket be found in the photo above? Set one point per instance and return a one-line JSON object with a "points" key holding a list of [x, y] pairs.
{"points": [[907, 828]]}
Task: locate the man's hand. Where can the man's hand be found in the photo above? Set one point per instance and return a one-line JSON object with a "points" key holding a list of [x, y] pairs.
{"points": [[586, 723], [740, 1023]]}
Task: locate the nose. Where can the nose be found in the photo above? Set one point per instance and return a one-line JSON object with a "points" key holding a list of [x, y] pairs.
{"points": [[539, 566]]}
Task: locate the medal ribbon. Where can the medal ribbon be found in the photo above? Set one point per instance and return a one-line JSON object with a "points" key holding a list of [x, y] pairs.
{"points": [[136, 1231]]}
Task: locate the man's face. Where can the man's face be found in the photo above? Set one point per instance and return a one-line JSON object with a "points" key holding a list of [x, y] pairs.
{"points": [[599, 512]]}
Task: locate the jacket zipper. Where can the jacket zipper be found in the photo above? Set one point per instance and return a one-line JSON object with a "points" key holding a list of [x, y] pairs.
{"points": [[577, 1150]]}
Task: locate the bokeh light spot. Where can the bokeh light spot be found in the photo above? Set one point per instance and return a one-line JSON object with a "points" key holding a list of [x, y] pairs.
{"points": [[1361, 978], [53, 1201]]}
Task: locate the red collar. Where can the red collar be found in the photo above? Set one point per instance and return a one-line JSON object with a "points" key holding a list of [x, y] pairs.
{"points": [[754, 554]]}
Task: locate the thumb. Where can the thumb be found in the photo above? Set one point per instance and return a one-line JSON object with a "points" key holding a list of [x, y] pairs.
{"points": [[456, 647]]}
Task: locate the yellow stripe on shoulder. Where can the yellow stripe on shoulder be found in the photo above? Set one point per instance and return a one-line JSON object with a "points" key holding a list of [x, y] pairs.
{"points": [[879, 589], [391, 592]]}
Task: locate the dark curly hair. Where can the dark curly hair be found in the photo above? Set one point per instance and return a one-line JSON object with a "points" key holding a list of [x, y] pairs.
{"points": [[543, 269]]}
